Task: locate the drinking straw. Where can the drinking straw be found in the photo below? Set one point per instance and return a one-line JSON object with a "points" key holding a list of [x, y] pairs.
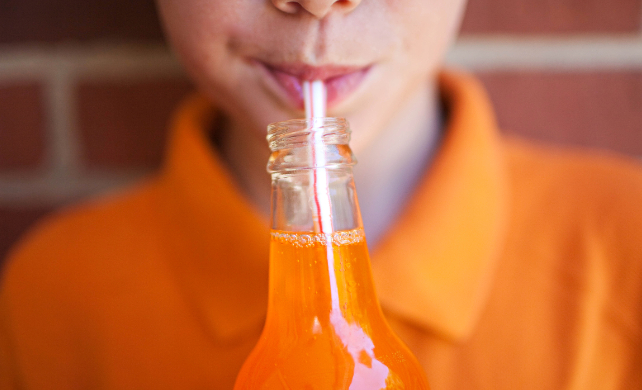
{"points": [[352, 335], [314, 98]]}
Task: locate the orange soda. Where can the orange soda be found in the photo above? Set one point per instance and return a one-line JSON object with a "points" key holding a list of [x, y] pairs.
{"points": [[305, 343]]}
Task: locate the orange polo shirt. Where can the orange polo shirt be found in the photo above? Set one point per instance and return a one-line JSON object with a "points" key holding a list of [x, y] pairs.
{"points": [[511, 267]]}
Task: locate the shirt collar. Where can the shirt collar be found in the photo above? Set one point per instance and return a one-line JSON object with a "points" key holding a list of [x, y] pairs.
{"points": [[219, 242], [436, 266], [433, 268]]}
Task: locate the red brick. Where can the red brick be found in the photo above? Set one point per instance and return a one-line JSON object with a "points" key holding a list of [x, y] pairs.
{"points": [[14, 222], [553, 16], [123, 125], [595, 109], [22, 126], [60, 20]]}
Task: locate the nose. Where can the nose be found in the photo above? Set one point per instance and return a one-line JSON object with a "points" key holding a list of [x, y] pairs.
{"points": [[318, 8]]}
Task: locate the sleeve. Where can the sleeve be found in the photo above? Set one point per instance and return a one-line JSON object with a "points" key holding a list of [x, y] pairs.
{"points": [[34, 331], [8, 363]]}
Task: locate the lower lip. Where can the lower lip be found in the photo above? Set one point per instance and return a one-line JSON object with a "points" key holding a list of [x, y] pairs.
{"points": [[338, 88]]}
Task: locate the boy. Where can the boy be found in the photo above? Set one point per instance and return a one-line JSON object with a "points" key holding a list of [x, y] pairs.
{"points": [[502, 265]]}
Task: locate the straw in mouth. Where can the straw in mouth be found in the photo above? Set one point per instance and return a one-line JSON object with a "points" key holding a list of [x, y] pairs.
{"points": [[314, 98]]}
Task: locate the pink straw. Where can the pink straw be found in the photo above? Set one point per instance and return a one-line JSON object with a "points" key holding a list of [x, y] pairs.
{"points": [[314, 98]]}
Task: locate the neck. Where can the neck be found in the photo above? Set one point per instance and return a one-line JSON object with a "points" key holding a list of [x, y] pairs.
{"points": [[246, 154], [389, 167]]}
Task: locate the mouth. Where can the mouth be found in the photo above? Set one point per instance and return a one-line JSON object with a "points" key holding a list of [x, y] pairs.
{"points": [[340, 81]]}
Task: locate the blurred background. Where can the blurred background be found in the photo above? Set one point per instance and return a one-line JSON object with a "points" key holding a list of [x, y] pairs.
{"points": [[87, 87]]}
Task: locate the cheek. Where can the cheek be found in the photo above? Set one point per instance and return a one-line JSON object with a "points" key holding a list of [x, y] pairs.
{"points": [[200, 32], [198, 29], [428, 26]]}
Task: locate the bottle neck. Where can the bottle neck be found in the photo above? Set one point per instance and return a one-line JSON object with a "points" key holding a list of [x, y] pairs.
{"points": [[312, 182], [319, 258], [294, 200]]}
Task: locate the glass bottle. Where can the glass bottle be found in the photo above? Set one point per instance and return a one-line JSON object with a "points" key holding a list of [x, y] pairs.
{"points": [[324, 327]]}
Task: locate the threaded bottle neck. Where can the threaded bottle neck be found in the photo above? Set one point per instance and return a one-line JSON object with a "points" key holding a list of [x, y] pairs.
{"points": [[292, 141], [295, 166]]}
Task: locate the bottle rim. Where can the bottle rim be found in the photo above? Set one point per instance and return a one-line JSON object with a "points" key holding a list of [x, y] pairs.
{"points": [[296, 133]]}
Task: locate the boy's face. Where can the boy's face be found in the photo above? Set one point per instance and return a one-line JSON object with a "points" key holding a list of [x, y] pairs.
{"points": [[250, 56]]}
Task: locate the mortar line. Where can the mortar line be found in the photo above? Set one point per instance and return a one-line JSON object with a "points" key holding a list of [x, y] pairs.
{"points": [[64, 152], [89, 61], [32, 188], [602, 53]]}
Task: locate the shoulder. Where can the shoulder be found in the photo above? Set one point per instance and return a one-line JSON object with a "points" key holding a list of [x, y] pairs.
{"points": [[599, 185], [578, 193], [578, 213], [75, 247], [76, 280]]}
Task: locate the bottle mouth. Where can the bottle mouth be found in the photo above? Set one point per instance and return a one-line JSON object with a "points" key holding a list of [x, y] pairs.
{"points": [[295, 133]]}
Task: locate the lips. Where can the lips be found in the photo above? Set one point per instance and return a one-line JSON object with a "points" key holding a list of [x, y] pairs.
{"points": [[340, 81]]}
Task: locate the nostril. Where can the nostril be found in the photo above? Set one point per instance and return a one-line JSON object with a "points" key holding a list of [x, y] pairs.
{"points": [[290, 7], [318, 8], [346, 5]]}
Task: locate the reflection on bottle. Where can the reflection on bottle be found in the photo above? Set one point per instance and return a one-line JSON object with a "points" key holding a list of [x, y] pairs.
{"points": [[369, 373]]}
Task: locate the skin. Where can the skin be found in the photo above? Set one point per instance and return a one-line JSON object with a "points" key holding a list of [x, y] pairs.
{"points": [[395, 109]]}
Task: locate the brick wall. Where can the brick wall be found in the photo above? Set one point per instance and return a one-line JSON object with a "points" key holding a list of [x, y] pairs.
{"points": [[86, 88]]}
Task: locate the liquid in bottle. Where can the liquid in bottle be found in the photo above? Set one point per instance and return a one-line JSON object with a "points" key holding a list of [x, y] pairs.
{"points": [[324, 327]]}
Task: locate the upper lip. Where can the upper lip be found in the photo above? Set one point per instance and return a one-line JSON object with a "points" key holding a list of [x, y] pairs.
{"points": [[305, 72]]}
